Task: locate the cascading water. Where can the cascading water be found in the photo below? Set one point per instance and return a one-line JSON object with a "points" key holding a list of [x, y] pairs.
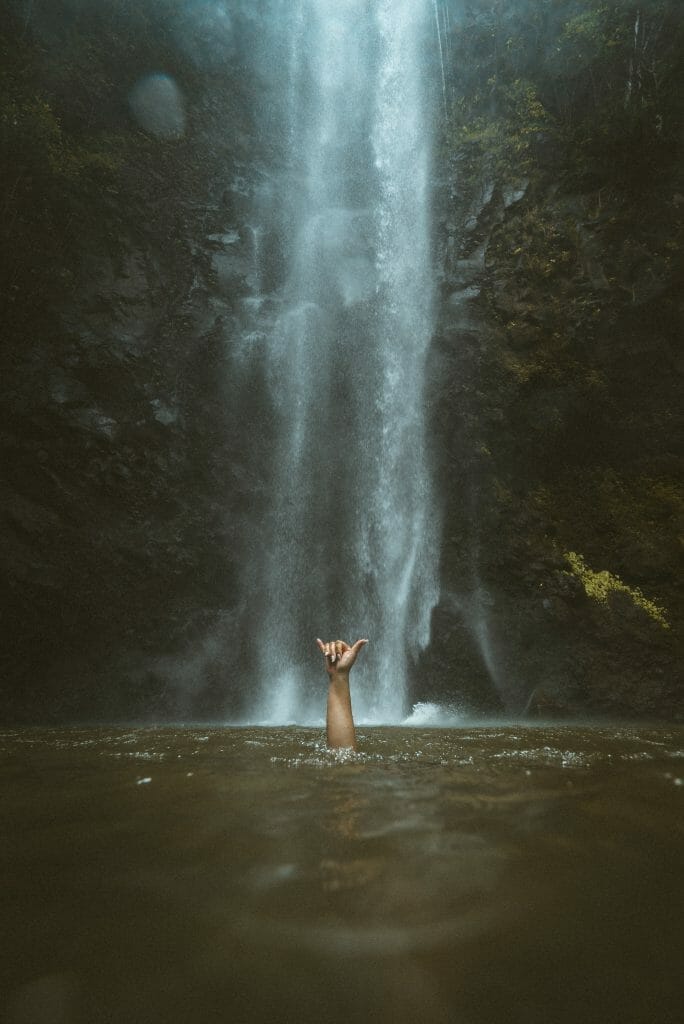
{"points": [[348, 543]]}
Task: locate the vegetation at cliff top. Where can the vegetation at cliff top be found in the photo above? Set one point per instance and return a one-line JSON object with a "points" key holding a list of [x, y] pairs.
{"points": [[533, 84]]}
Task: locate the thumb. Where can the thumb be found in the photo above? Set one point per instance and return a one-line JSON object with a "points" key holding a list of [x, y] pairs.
{"points": [[357, 646]]}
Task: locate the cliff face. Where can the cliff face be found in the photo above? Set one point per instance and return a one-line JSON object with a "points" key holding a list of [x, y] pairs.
{"points": [[554, 373], [120, 436], [558, 362]]}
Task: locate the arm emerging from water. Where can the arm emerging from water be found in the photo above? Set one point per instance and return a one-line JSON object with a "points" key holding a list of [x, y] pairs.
{"points": [[339, 658]]}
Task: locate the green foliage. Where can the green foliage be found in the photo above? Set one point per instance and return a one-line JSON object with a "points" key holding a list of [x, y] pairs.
{"points": [[600, 585], [589, 90], [586, 30], [630, 521], [504, 145]]}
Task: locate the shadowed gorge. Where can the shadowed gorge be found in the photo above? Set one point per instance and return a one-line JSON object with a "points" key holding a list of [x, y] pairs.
{"points": [[461, 222]]}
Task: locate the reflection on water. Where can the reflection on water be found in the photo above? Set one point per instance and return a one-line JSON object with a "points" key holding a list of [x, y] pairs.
{"points": [[473, 875]]}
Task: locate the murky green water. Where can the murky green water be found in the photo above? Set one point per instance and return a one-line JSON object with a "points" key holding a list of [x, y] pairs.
{"points": [[464, 875]]}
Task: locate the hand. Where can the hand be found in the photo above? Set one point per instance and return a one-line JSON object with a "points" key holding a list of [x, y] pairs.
{"points": [[339, 656]]}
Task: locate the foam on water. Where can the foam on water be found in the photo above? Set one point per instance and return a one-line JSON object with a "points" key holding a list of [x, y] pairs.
{"points": [[439, 716]]}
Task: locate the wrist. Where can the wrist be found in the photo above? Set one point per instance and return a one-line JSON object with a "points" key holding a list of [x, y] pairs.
{"points": [[339, 675]]}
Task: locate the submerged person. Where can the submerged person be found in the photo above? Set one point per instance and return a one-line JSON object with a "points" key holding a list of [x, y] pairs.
{"points": [[339, 722]]}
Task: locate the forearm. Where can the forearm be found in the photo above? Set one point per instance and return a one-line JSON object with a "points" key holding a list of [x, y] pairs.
{"points": [[340, 723]]}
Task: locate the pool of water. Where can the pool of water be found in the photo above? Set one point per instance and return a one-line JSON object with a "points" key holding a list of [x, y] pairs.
{"points": [[470, 875]]}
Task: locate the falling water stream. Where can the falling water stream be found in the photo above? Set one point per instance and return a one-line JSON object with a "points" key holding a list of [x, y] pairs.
{"points": [[347, 542]]}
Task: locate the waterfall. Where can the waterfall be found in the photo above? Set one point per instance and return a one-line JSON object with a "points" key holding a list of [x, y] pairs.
{"points": [[439, 29], [347, 542]]}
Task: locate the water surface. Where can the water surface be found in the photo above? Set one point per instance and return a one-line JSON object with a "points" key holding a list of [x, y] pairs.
{"points": [[469, 874]]}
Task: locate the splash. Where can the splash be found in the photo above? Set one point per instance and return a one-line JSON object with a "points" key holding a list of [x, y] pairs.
{"points": [[426, 714]]}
